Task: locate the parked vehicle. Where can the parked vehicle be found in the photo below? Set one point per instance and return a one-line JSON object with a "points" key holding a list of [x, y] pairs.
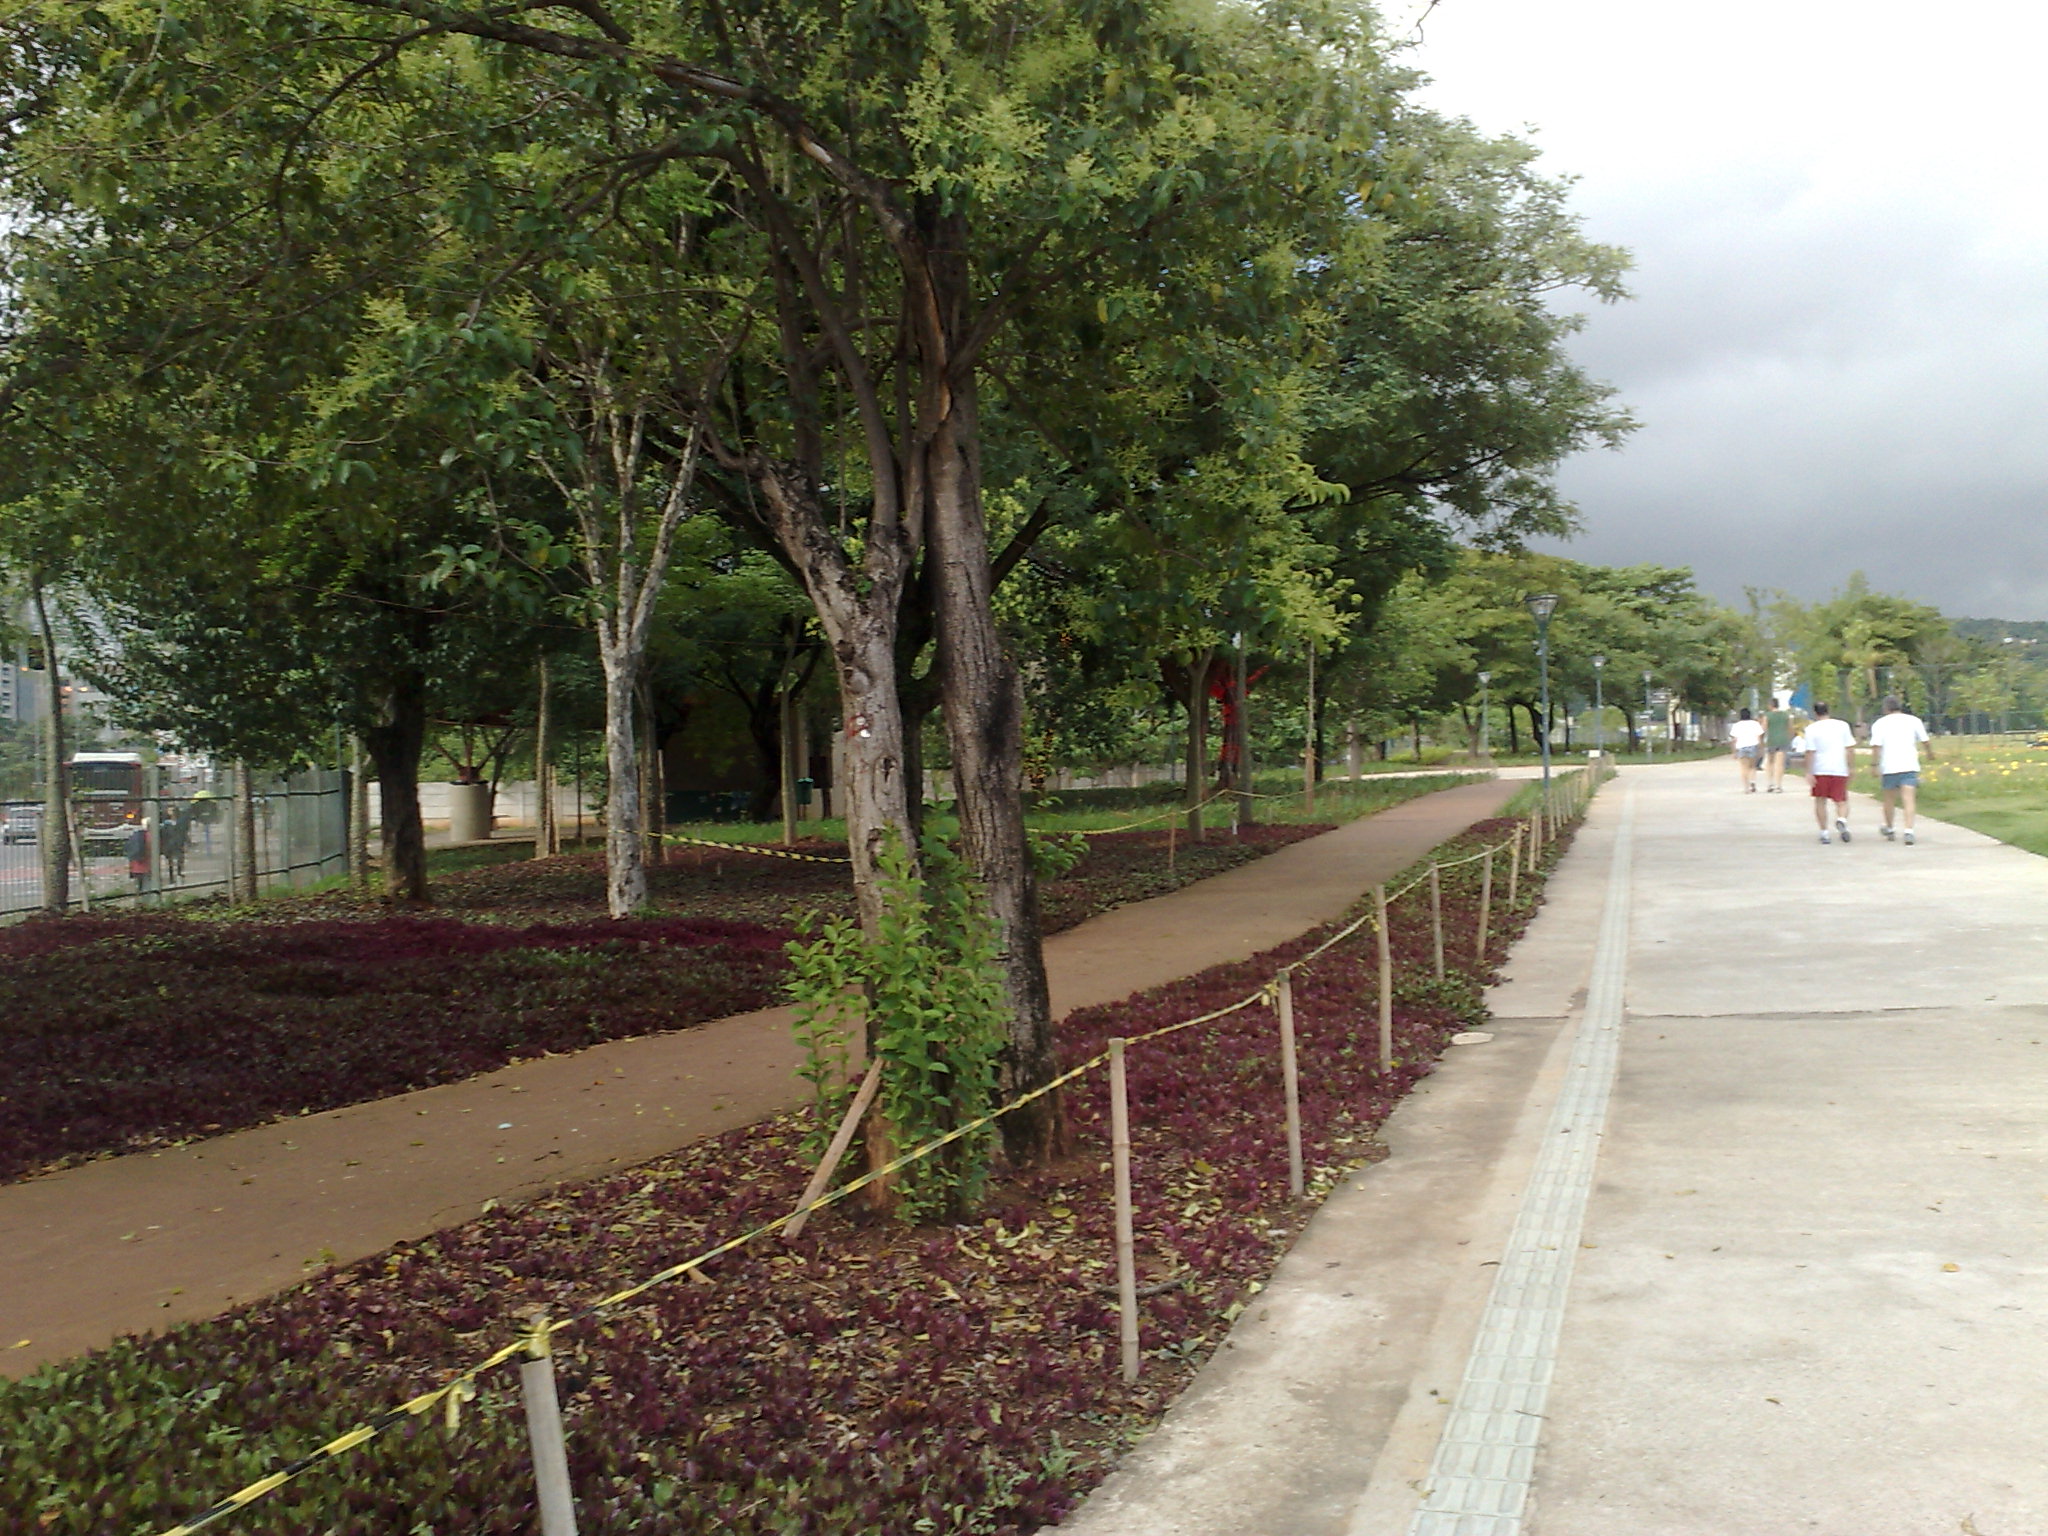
{"points": [[21, 822]]}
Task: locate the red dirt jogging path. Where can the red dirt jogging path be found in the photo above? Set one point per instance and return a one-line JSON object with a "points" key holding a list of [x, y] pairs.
{"points": [[132, 1244]]}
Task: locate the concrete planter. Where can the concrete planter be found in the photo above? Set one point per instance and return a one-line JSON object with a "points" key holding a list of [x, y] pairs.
{"points": [[469, 813]]}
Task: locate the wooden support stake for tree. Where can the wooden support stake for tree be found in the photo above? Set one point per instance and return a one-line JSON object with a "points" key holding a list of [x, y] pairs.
{"points": [[842, 1138], [1290, 1083], [1172, 843], [1515, 869], [1485, 904], [1126, 1244], [1436, 916], [1386, 958], [544, 1433]]}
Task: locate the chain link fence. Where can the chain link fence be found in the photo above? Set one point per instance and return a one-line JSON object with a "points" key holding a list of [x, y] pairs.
{"points": [[138, 839]]}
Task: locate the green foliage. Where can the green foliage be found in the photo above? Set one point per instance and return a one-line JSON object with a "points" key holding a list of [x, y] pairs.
{"points": [[926, 989], [1053, 854]]}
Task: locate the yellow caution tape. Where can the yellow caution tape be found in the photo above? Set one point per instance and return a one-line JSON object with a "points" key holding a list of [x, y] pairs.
{"points": [[764, 851]]}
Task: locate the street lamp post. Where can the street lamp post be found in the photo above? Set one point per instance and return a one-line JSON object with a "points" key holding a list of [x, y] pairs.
{"points": [[1649, 741], [1542, 606], [1599, 709], [1485, 749]]}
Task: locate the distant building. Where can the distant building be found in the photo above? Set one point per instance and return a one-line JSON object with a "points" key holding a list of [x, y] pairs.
{"points": [[21, 693]]}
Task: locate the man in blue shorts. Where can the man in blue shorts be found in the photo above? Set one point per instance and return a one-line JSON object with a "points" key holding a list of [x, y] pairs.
{"points": [[1896, 737]]}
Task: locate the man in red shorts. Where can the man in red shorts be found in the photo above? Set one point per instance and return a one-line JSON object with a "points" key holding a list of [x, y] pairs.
{"points": [[1830, 745]]}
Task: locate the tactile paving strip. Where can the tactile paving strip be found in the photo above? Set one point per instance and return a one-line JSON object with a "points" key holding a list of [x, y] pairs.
{"points": [[1480, 1477]]}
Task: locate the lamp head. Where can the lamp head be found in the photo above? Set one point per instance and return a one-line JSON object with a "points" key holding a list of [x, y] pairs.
{"points": [[1599, 661], [1543, 605], [1486, 677]]}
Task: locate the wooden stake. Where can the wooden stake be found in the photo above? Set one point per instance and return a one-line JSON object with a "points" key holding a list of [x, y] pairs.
{"points": [[842, 1138], [1126, 1246], [1485, 903], [1290, 1083], [1514, 868], [1386, 958], [1172, 843], [544, 1433], [1436, 916]]}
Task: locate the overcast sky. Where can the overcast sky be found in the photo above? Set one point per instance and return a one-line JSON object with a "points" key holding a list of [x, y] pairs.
{"points": [[1838, 344]]}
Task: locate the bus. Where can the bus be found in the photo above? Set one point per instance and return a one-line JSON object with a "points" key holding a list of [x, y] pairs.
{"points": [[106, 789]]}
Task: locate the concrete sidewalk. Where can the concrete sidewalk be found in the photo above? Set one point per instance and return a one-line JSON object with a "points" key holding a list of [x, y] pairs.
{"points": [[1802, 1283]]}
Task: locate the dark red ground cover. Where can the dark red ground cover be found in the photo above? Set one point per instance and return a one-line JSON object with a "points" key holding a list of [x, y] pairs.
{"points": [[1120, 867], [126, 1033], [870, 1378], [123, 1033]]}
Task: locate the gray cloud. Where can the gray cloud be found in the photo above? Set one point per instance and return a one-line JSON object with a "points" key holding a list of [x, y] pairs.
{"points": [[1838, 346]]}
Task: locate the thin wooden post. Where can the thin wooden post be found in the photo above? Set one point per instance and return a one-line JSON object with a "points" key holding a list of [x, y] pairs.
{"points": [[1386, 968], [544, 1433], [1485, 903], [1515, 869], [1172, 843], [842, 1138], [1290, 1083], [1436, 916], [1126, 1245]]}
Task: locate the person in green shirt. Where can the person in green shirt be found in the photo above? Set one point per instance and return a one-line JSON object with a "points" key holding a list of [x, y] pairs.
{"points": [[1777, 742]]}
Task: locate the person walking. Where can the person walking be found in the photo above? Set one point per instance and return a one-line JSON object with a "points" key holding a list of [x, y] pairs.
{"points": [[1747, 735], [1777, 742], [1896, 739], [1830, 745]]}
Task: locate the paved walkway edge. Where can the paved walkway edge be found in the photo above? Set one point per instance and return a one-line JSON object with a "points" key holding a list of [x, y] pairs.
{"points": [[1321, 1412]]}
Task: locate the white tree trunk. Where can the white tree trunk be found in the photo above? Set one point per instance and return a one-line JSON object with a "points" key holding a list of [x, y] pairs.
{"points": [[625, 864]]}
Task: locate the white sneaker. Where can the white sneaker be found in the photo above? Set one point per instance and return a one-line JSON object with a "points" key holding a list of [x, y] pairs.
{"points": [[1842, 827], [1825, 838], [1886, 829], [1909, 837]]}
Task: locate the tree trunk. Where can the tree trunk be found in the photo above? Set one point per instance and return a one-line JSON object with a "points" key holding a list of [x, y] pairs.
{"points": [[785, 753], [251, 868], [395, 744], [359, 814], [546, 836], [1241, 742], [55, 834], [984, 709], [625, 884], [1198, 739], [653, 792]]}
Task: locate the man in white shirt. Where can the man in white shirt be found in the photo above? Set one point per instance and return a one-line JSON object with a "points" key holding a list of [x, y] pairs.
{"points": [[1747, 734], [1896, 739], [1830, 745]]}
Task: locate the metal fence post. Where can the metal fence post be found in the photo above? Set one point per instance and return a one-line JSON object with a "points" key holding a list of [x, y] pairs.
{"points": [[1290, 1082], [1126, 1242], [1386, 968], [1436, 916], [544, 1432]]}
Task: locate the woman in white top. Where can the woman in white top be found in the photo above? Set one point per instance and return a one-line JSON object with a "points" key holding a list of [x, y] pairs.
{"points": [[1748, 736]]}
